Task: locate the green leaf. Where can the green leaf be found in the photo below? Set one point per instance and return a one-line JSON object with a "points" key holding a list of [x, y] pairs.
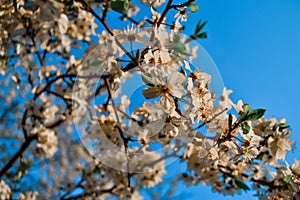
{"points": [[275, 127], [241, 185], [246, 111], [287, 179], [147, 79], [201, 35], [120, 5], [254, 115], [245, 128], [199, 26], [246, 108], [151, 92], [176, 38], [280, 126], [194, 7], [180, 48], [283, 126]]}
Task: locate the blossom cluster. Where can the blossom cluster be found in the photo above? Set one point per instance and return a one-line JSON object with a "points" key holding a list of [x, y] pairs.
{"points": [[64, 62]]}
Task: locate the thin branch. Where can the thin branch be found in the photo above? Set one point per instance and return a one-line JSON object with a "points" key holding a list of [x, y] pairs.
{"points": [[124, 15], [101, 19], [104, 23], [140, 123], [7, 110], [61, 77], [207, 122], [125, 140], [65, 196], [18, 154], [81, 196], [24, 123], [168, 7], [105, 9], [40, 57], [259, 181]]}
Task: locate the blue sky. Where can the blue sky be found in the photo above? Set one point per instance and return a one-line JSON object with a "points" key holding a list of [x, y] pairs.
{"points": [[256, 46]]}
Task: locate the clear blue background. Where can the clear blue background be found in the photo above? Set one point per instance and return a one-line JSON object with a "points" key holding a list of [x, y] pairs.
{"points": [[256, 46]]}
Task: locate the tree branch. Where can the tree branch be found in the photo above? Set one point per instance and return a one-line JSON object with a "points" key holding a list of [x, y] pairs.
{"points": [[17, 155], [168, 7], [125, 140]]}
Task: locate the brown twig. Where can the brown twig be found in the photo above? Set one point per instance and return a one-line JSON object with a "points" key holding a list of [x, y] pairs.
{"points": [[18, 154], [208, 121], [104, 23], [259, 181], [125, 140], [168, 7], [89, 194]]}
